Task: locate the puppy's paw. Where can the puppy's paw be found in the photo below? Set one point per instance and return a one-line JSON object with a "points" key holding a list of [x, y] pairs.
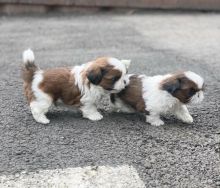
{"points": [[42, 119], [113, 109], [187, 118], [157, 123], [154, 120], [94, 117]]}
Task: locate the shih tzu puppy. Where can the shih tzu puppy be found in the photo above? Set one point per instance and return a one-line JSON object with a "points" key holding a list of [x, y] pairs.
{"points": [[159, 95], [81, 86]]}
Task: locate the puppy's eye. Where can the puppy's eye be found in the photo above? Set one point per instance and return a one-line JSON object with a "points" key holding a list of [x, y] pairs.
{"points": [[191, 92], [115, 78]]}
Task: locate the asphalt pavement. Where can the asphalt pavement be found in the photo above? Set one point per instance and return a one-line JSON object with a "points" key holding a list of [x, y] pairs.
{"points": [[121, 150]]}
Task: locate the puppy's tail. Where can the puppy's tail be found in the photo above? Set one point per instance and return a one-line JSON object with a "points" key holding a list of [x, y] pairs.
{"points": [[29, 67]]}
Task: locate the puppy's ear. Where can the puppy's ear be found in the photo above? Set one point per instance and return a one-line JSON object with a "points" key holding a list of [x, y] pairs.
{"points": [[126, 62], [171, 85], [95, 75]]}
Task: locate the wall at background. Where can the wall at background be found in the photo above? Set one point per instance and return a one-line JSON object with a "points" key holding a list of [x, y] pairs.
{"points": [[42, 5]]}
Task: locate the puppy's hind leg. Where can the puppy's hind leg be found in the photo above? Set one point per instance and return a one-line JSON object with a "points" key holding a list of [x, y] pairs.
{"points": [[39, 109], [40, 105], [117, 105]]}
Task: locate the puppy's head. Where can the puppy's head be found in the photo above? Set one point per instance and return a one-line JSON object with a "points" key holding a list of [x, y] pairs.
{"points": [[108, 73], [187, 86]]}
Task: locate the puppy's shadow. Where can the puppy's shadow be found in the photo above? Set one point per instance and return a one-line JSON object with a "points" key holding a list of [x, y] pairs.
{"points": [[64, 114], [126, 116], [171, 121], [140, 118]]}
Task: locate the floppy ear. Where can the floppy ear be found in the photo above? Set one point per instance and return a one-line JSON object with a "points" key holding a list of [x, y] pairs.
{"points": [[95, 75], [171, 86], [126, 62]]}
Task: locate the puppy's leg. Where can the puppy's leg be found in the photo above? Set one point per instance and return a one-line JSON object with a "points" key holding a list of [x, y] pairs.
{"points": [[117, 105], [39, 109], [91, 112], [182, 113], [154, 119], [42, 101]]}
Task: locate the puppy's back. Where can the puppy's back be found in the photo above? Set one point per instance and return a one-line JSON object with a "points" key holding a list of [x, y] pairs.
{"points": [[132, 94]]}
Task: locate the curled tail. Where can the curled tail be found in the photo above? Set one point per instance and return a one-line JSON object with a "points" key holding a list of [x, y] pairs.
{"points": [[29, 67]]}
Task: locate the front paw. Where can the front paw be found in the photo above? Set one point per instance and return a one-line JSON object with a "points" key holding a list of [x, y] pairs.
{"points": [[154, 121], [187, 118], [94, 116], [157, 123], [113, 109], [42, 119]]}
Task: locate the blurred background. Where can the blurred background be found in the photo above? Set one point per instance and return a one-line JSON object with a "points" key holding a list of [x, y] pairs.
{"points": [[15, 6], [122, 150]]}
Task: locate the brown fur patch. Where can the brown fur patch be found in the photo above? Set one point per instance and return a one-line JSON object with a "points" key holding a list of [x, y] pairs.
{"points": [[28, 92], [132, 94], [180, 87], [110, 77], [106, 74], [59, 83], [28, 71], [100, 62]]}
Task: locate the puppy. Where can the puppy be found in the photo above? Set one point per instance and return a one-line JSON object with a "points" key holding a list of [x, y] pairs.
{"points": [[158, 95], [81, 86]]}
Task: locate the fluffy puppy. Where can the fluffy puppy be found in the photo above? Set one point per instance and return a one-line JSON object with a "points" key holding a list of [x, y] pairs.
{"points": [[160, 94], [81, 86]]}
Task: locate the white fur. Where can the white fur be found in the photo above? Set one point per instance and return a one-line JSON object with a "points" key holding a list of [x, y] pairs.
{"points": [[182, 113], [195, 78], [28, 56], [93, 94], [90, 96], [154, 119], [76, 71], [117, 64], [119, 85], [42, 102], [121, 66], [126, 62], [156, 98], [40, 106], [159, 101], [197, 98]]}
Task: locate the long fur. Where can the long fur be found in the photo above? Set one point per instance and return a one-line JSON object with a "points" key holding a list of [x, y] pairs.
{"points": [[81, 86], [28, 67], [159, 100]]}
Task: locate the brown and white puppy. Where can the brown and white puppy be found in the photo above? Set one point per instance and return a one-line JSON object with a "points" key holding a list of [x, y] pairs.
{"points": [[81, 86], [160, 94]]}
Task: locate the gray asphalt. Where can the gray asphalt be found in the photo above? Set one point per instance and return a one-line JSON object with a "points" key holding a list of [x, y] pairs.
{"points": [[173, 155]]}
